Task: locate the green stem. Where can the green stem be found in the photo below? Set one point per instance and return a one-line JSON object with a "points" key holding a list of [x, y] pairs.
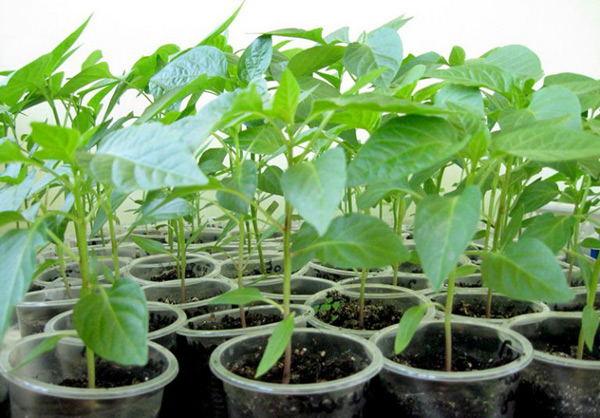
{"points": [[113, 237], [361, 307], [448, 323], [240, 267], [590, 304], [182, 259], [287, 287], [261, 259], [63, 270]]}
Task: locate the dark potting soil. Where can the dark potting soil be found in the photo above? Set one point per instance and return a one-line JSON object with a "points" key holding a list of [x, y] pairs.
{"points": [[477, 308], [191, 271], [564, 346], [342, 311], [469, 353], [307, 366], [253, 319], [111, 376], [410, 268], [176, 300], [158, 321]]}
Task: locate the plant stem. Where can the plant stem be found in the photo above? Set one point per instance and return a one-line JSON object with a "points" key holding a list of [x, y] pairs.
{"points": [[361, 306], [240, 268], [590, 302], [253, 212], [182, 259], [113, 237], [448, 323], [91, 367], [63, 271], [287, 287]]}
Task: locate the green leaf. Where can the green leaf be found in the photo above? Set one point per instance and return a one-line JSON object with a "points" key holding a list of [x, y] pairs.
{"points": [[149, 245], [57, 143], [278, 341], [139, 158], [401, 146], [242, 296], [586, 88], [340, 35], [590, 243], [243, 181], [116, 200], [164, 210], [365, 80], [457, 56], [264, 139], [270, 180], [516, 59], [352, 241], [526, 270], [201, 60], [256, 59], [286, 97], [554, 102], [59, 53], [408, 326], [376, 102], [382, 48], [10, 216], [222, 27], [589, 325], [211, 160], [397, 23], [444, 227], [315, 35], [469, 98], [316, 188], [554, 231], [513, 227], [46, 345], [313, 59], [10, 152], [546, 142], [114, 323], [374, 193], [17, 257], [477, 75], [87, 76], [537, 194]]}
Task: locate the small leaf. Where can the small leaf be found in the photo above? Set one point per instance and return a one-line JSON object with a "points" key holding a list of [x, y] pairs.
{"points": [[149, 245], [554, 231], [244, 181], [554, 102], [536, 195], [242, 296], [114, 323], [477, 75], [270, 180], [517, 59], [457, 56], [256, 59], [285, 101], [57, 143], [589, 324], [590, 243], [10, 152], [313, 59], [278, 341], [526, 270], [408, 326], [46, 345], [164, 210]]}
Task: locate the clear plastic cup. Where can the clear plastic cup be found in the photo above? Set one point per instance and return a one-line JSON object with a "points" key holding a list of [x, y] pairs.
{"points": [[35, 391], [144, 269], [341, 398], [316, 269], [411, 391], [302, 288], [418, 284], [53, 278]]}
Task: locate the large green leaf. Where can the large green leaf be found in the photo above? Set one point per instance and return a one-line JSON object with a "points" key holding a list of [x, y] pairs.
{"points": [[315, 35], [554, 231], [477, 75], [286, 97], [526, 270], [10, 152], [17, 257], [444, 226], [469, 98], [403, 145], [57, 143], [516, 59], [312, 59], [590, 319], [378, 103], [186, 68], [547, 142], [222, 27], [256, 59], [278, 341], [352, 241], [243, 181], [554, 102], [161, 210], [586, 88], [381, 48], [114, 323], [315, 188], [139, 158], [536, 195], [270, 180]]}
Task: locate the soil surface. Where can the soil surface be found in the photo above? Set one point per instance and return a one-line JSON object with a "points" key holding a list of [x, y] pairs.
{"points": [[233, 322], [176, 300], [342, 311], [476, 309], [111, 376], [469, 353], [158, 321], [565, 347], [307, 366], [191, 272], [410, 268]]}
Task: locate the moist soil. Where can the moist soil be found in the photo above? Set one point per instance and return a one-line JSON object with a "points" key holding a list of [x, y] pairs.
{"points": [[191, 272], [112, 376], [344, 312], [176, 300], [476, 309], [307, 366], [410, 268], [158, 321], [233, 322]]}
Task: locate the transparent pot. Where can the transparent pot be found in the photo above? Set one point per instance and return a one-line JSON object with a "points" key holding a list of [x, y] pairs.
{"points": [[35, 391], [412, 391], [316, 269], [418, 284], [195, 347], [165, 336], [577, 303], [251, 265], [11, 337], [341, 398], [302, 288], [557, 385], [409, 269], [52, 277], [203, 290], [467, 299], [143, 270], [402, 299], [469, 281]]}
